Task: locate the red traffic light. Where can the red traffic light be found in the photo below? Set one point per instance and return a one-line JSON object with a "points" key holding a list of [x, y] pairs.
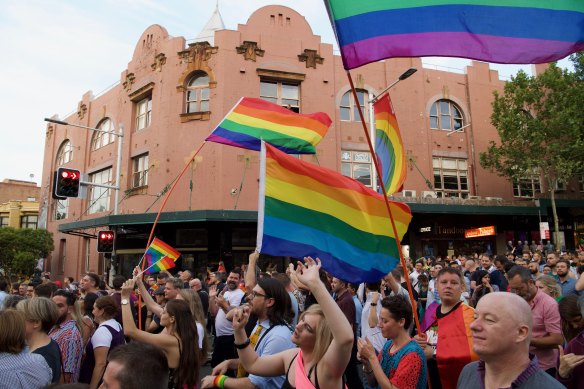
{"points": [[70, 174], [67, 182], [106, 235], [105, 241]]}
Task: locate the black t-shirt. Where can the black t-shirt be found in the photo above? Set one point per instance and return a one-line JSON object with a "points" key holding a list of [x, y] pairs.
{"points": [[52, 355]]}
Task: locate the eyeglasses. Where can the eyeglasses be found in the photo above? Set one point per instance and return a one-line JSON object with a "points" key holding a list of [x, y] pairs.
{"points": [[254, 294]]}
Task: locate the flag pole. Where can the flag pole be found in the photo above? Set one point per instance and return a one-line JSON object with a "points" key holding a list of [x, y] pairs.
{"points": [[378, 171]]}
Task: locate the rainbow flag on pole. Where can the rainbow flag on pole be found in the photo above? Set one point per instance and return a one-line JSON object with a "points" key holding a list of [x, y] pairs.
{"points": [[502, 31], [307, 210], [254, 119], [160, 256], [389, 147]]}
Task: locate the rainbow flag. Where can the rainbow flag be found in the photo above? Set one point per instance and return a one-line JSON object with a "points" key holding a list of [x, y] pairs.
{"points": [[254, 119], [308, 210], [160, 256], [502, 31], [389, 147]]}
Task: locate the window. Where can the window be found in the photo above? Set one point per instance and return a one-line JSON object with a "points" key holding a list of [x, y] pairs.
{"points": [[450, 177], [140, 171], [87, 250], [143, 113], [3, 221], [101, 139], [349, 110], [357, 165], [65, 153], [29, 221], [526, 187], [197, 99], [63, 254], [99, 198], [445, 115], [61, 209], [285, 94]]}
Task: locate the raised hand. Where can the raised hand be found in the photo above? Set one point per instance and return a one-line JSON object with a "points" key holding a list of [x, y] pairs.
{"points": [[568, 362], [365, 349], [240, 317], [127, 288], [308, 272], [213, 291]]}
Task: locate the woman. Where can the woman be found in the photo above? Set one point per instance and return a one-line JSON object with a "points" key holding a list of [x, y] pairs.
{"points": [[572, 320], [192, 298], [401, 363], [571, 367], [549, 286], [106, 337], [323, 335], [483, 287], [422, 294], [19, 369], [179, 340], [83, 315], [41, 314]]}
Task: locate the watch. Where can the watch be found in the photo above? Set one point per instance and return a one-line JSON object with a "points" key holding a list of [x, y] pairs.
{"points": [[124, 302]]}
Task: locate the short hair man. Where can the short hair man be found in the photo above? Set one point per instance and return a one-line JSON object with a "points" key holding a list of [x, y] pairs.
{"points": [[185, 276], [501, 335], [136, 366], [547, 332], [449, 321], [567, 283], [552, 260], [89, 283], [30, 290], [172, 288], [533, 267], [67, 335], [196, 285]]}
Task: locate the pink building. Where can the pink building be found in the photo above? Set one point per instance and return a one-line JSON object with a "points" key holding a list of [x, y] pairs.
{"points": [[173, 93]]}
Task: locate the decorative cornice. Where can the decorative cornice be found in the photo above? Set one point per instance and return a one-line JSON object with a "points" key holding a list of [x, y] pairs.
{"points": [[130, 79], [280, 75], [139, 93], [250, 50], [159, 61], [311, 57], [81, 110], [198, 54]]}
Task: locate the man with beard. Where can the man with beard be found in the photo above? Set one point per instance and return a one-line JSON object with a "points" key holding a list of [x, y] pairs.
{"points": [[270, 302], [221, 302], [67, 336], [547, 332], [534, 269], [567, 283], [552, 260]]}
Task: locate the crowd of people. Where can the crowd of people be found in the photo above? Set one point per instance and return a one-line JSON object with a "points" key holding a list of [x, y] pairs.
{"points": [[482, 322]]}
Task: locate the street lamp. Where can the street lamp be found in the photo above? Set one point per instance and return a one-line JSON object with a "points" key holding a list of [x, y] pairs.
{"points": [[120, 135], [372, 100]]}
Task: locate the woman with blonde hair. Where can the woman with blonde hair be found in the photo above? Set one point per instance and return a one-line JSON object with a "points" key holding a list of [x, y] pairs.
{"points": [[196, 306], [549, 286], [41, 314], [323, 335]]}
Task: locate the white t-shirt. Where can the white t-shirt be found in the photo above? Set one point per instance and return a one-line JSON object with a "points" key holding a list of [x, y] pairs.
{"points": [[102, 337], [200, 333], [223, 326], [373, 333]]}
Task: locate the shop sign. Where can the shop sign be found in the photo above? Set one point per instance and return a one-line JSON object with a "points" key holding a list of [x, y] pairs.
{"points": [[426, 229], [544, 230], [481, 231]]}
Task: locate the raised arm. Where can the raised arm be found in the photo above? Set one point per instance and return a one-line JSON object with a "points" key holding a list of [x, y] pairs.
{"points": [[373, 319], [250, 275], [148, 300]]}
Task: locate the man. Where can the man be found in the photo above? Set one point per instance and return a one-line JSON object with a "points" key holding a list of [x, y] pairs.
{"points": [[15, 286], [270, 302], [566, 282], [68, 284], [220, 303], [547, 333], [186, 276], [534, 269], [117, 283], [30, 290], [418, 269], [501, 333], [526, 256], [370, 316], [67, 335], [447, 341], [136, 366], [345, 302], [521, 262], [496, 275], [22, 289], [196, 285], [3, 294], [552, 260], [89, 284], [172, 287], [290, 288]]}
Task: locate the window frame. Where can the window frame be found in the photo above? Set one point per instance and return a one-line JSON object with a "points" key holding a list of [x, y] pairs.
{"points": [[140, 162], [143, 117], [437, 115], [61, 210], [461, 176], [199, 103], [25, 221], [101, 139], [99, 200], [531, 184], [357, 160], [64, 153], [2, 221], [350, 106], [279, 97]]}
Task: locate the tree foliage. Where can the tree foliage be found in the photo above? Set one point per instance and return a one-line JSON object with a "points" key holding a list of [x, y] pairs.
{"points": [[540, 123], [21, 249]]}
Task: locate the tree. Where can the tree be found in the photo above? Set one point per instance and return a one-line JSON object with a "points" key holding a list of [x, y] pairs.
{"points": [[20, 250], [540, 123]]}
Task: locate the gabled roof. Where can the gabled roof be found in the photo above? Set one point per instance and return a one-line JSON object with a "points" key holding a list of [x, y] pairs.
{"points": [[215, 23]]}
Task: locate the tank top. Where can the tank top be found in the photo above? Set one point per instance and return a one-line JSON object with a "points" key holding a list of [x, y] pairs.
{"points": [[89, 361], [303, 379]]}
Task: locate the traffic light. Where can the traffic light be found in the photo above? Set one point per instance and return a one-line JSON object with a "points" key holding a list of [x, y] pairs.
{"points": [[105, 241], [67, 182]]}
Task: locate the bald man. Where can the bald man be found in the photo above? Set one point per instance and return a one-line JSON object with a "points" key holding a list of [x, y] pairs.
{"points": [[501, 334]]}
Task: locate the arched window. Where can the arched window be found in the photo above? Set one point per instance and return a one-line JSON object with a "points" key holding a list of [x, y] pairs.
{"points": [[197, 97], [349, 111], [100, 138], [65, 153], [445, 115]]}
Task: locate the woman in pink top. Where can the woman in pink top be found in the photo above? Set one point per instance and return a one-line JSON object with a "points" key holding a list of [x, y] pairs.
{"points": [[323, 335]]}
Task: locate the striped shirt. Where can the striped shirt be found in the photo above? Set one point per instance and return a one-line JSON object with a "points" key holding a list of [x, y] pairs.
{"points": [[24, 371], [70, 343]]}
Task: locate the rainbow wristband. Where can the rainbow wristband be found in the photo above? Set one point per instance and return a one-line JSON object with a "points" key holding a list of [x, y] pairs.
{"points": [[219, 381]]}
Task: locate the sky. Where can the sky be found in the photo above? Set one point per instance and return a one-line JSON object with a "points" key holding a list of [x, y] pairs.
{"points": [[56, 50]]}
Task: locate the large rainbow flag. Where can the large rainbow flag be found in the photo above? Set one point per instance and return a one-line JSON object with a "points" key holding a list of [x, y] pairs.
{"points": [[254, 119], [389, 147], [160, 256], [308, 210], [502, 31]]}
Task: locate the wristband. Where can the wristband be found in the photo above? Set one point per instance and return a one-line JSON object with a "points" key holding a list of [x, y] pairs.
{"points": [[373, 304], [219, 381], [243, 345]]}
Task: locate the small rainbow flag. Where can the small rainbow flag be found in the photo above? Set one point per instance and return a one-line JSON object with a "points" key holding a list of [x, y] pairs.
{"points": [[308, 210], [160, 256], [502, 31], [389, 147], [254, 119]]}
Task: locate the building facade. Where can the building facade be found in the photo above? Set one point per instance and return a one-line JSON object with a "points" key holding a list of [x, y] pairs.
{"points": [[172, 95], [19, 204]]}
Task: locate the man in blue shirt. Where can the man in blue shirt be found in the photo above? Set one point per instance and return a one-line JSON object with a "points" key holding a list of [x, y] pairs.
{"points": [[567, 283]]}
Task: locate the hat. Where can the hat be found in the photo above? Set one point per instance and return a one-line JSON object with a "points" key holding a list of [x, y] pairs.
{"points": [[159, 291]]}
